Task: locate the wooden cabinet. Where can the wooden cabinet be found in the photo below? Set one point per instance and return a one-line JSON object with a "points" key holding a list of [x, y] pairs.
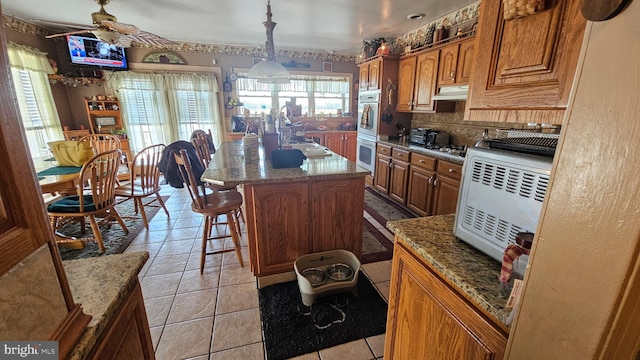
{"points": [[421, 177], [399, 177], [383, 168], [417, 81], [375, 73], [447, 186], [526, 69], [428, 319], [128, 336], [291, 219], [342, 143], [105, 118], [317, 136], [456, 61]]}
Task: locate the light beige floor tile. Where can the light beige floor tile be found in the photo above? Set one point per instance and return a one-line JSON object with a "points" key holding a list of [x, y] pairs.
{"points": [[376, 343], [187, 222], [237, 297], [168, 264], [230, 258], [158, 309], [383, 288], [355, 350], [192, 280], [193, 305], [175, 247], [145, 268], [378, 271], [160, 285], [151, 248], [155, 335], [201, 357], [212, 245], [309, 356], [253, 352], [237, 275], [210, 261], [185, 339], [236, 329], [183, 234], [160, 225], [145, 237]]}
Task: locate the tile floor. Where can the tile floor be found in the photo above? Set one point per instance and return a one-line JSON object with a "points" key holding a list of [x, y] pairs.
{"points": [[215, 315]]}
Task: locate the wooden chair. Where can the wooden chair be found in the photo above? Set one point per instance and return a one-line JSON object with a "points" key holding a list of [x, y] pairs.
{"points": [[75, 134], [144, 180], [102, 142], [211, 206], [99, 197], [203, 149]]}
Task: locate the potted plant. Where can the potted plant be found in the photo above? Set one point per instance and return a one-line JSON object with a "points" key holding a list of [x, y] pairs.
{"points": [[121, 133]]}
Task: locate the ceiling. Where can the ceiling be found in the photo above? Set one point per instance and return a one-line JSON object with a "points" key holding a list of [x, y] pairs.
{"points": [[339, 26]]}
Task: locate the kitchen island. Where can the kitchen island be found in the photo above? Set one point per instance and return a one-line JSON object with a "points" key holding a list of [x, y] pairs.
{"points": [[291, 212]]}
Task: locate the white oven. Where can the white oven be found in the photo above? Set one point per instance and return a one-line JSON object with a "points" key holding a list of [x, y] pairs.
{"points": [[366, 153], [368, 105]]}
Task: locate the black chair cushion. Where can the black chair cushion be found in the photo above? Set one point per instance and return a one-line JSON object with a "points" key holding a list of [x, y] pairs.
{"points": [[71, 204], [287, 158]]}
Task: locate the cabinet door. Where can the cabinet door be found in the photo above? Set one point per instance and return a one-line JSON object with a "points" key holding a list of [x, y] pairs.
{"points": [[420, 195], [428, 320], [446, 195], [527, 69], [351, 146], [335, 142], [336, 226], [448, 61], [281, 232], [406, 73], [383, 173], [374, 74], [466, 58], [425, 83], [399, 180], [364, 77]]}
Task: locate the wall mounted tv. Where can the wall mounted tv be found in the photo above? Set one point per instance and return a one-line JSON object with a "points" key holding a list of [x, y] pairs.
{"points": [[93, 52]]}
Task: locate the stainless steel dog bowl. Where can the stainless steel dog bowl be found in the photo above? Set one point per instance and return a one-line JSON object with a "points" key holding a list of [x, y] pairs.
{"points": [[339, 272], [315, 276]]}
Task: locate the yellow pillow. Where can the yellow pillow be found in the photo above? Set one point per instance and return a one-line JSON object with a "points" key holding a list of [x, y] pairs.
{"points": [[71, 153]]}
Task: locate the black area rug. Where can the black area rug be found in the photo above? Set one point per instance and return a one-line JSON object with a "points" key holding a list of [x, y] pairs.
{"points": [[291, 328]]}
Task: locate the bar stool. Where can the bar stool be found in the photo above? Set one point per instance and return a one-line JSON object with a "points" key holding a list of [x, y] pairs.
{"points": [[211, 206]]}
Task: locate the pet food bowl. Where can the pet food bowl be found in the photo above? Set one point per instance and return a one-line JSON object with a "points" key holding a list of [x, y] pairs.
{"points": [[315, 276], [339, 267]]}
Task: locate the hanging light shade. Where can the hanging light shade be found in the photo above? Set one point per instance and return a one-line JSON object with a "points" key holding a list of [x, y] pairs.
{"points": [[269, 71]]}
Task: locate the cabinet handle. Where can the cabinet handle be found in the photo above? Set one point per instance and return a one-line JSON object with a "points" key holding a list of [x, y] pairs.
{"points": [[430, 181], [453, 75], [436, 182], [451, 170], [421, 161]]}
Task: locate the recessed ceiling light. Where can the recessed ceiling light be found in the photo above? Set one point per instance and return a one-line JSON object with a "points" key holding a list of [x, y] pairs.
{"points": [[415, 16]]}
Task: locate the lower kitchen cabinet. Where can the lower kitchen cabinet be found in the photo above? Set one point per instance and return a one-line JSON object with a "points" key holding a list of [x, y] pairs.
{"points": [[447, 186], [382, 175], [428, 319], [421, 177], [399, 177], [128, 337], [342, 143]]}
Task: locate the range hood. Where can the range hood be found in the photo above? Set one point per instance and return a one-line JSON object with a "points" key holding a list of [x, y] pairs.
{"points": [[452, 93]]}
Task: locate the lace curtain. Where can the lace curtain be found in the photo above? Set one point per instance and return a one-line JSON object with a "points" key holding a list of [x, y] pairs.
{"points": [[163, 108]]}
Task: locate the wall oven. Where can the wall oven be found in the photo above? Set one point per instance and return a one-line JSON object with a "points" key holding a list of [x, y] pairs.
{"points": [[366, 153], [368, 105]]}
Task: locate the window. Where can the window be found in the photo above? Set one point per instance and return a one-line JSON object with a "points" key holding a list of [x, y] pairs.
{"points": [[315, 94], [163, 108], [29, 69]]}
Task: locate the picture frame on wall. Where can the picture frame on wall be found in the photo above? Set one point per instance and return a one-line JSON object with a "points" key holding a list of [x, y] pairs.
{"points": [[327, 67], [105, 120]]}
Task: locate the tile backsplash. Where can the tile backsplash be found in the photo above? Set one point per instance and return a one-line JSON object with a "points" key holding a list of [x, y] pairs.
{"points": [[460, 132]]}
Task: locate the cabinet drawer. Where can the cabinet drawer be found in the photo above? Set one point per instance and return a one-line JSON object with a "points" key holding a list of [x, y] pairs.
{"points": [[449, 169], [423, 161], [384, 149], [401, 154]]}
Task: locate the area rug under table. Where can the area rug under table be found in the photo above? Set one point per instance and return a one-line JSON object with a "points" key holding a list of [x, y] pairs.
{"points": [[291, 328]]}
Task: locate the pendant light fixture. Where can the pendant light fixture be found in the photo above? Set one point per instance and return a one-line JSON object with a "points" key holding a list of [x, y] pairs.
{"points": [[268, 70]]}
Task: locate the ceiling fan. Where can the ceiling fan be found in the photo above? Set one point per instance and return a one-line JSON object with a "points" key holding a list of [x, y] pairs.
{"points": [[107, 29]]}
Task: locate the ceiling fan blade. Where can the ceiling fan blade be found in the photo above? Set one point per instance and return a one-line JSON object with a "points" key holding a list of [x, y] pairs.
{"points": [[122, 28], [60, 24], [151, 39], [68, 33]]}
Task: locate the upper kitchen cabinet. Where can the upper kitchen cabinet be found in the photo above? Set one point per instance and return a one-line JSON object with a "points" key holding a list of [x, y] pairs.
{"points": [[526, 67], [375, 72], [417, 81], [456, 61]]}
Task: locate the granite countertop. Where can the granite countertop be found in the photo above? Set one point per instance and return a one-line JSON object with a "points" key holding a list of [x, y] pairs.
{"points": [[101, 285], [472, 273], [229, 168], [420, 149]]}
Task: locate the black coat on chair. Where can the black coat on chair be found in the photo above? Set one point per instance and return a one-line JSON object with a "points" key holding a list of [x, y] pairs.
{"points": [[169, 168]]}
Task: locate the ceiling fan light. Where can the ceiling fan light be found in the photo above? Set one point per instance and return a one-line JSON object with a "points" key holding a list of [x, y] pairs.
{"points": [[107, 36], [269, 72]]}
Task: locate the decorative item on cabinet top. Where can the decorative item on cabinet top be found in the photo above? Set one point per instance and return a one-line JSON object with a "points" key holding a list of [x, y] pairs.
{"points": [[164, 57], [514, 9], [74, 81]]}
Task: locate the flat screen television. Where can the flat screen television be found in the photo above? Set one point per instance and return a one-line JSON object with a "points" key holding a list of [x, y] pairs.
{"points": [[93, 52]]}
